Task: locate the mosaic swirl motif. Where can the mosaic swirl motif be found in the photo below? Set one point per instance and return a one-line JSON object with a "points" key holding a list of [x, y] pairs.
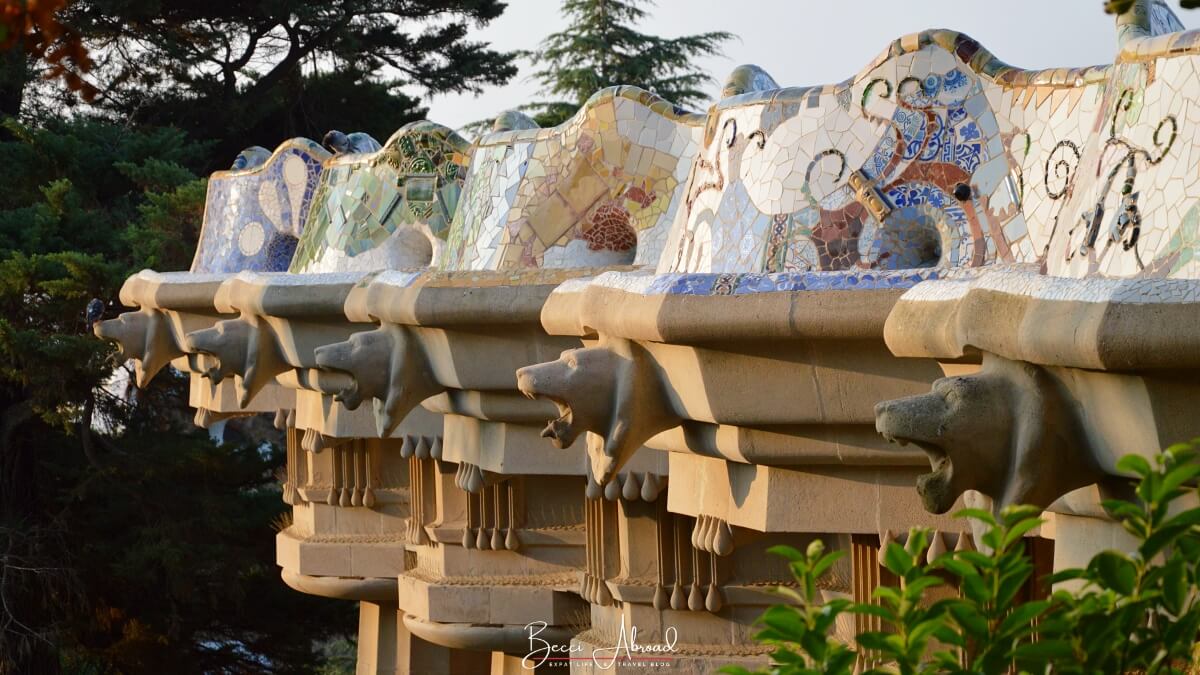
{"points": [[389, 209], [904, 166], [1129, 209], [599, 189], [254, 217]]}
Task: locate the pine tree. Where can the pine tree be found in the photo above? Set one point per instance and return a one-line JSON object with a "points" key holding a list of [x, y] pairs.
{"points": [[601, 48]]}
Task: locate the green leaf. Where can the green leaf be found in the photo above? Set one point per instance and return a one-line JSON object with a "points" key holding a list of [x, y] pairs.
{"points": [[874, 640], [1023, 615], [788, 552], [917, 586], [926, 628], [1175, 478], [959, 568], [947, 635], [1015, 513], [1174, 586], [840, 663], [1010, 584], [1134, 464], [1018, 530], [977, 514], [1044, 650], [896, 559], [1115, 571], [826, 562], [887, 593], [1163, 537], [979, 559], [815, 548], [974, 623], [786, 621], [873, 610]]}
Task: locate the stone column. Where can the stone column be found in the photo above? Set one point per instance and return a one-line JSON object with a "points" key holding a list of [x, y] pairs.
{"points": [[385, 647]]}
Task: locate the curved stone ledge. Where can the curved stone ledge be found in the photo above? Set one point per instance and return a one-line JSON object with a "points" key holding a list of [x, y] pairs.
{"points": [[1094, 323], [443, 331], [282, 320], [666, 358], [379, 591], [507, 639]]}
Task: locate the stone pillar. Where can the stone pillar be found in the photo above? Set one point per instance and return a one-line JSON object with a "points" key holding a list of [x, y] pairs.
{"points": [[385, 647]]}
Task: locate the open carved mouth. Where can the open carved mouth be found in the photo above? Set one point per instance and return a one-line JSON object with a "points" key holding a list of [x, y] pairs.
{"points": [[349, 396], [560, 430], [936, 487], [216, 373]]}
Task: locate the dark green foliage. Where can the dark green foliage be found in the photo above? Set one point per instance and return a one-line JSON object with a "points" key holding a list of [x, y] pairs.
{"points": [[601, 48], [260, 71], [129, 541], [1134, 613]]}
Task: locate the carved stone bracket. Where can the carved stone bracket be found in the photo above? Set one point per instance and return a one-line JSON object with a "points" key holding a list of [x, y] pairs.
{"points": [[389, 366], [144, 336], [613, 391], [1010, 431]]}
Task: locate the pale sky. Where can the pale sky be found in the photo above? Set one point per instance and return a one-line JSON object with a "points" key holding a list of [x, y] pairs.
{"points": [[803, 42]]}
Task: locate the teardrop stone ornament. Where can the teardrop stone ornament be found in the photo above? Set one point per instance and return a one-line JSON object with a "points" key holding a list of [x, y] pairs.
{"points": [[612, 491], [511, 541], [474, 479], [678, 599], [937, 546], [649, 488], [435, 450], [965, 542], [632, 490], [593, 491], [713, 602], [406, 448], [661, 601], [695, 599], [723, 541]]}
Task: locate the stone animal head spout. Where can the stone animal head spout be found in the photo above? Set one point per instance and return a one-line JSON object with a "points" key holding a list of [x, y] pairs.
{"points": [[144, 336], [1008, 432], [228, 342], [614, 391], [240, 347], [387, 365]]}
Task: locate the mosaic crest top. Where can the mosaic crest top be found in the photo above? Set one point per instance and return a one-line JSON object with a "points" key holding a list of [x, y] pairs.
{"points": [[254, 217], [1130, 198], [597, 190], [389, 209]]}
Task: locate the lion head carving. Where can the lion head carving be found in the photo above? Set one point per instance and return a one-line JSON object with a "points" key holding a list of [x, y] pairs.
{"points": [[144, 336], [241, 347], [1008, 431], [614, 391], [387, 365]]}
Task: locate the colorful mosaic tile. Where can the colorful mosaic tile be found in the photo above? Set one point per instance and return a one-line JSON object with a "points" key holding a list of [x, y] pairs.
{"points": [[599, 189], [389, 209], [254, 217], [940, 155]]}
